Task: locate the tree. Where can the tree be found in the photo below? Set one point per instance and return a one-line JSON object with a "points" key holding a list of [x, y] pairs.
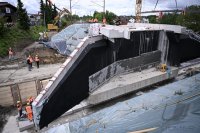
{"points": [[2, 27], [169, 19], [42, 8], [110, 16], [152, 19], [23, 19], [48, 13], [192, 18], [55, 13]]}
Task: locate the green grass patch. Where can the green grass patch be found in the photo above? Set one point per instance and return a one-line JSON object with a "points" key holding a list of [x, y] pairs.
{"points": [[12, 37]]}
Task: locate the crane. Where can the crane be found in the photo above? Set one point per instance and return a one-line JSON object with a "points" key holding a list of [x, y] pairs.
{"points": [[138, 9], [58, 17]]}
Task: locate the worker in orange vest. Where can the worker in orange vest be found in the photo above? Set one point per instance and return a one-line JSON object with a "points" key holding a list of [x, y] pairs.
{"points": [[29, 112], [19, 108], [37, 60], [10, 53], [30, 100]]}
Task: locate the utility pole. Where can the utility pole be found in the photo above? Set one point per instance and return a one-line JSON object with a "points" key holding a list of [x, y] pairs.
{"points": [[138, 11], [70, 6]]}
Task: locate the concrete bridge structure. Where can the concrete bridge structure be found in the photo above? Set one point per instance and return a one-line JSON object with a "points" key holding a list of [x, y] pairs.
{"points": [[118, 50]]}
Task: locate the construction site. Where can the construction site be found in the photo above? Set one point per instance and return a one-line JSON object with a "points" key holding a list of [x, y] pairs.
{"points": [[96, 77]]}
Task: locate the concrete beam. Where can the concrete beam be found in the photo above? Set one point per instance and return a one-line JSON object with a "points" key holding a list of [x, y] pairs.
{"points": [[123, 31], [124, 84]]}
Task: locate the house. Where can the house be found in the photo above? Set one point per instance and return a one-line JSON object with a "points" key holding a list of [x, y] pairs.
{"points": [[8, 12], [34, 19]]}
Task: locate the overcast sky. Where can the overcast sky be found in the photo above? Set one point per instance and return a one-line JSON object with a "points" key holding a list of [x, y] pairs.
{"points": [[119, 7]]}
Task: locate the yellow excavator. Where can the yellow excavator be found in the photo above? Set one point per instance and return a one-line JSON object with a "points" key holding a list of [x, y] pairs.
{"points": [[57, 18]]}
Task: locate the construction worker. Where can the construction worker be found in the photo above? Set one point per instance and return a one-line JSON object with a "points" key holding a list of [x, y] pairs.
{"points": [[10, 53], [37, 61], [19, 108], [30, 100], [28, 63], [31, 61], [29, 112]]}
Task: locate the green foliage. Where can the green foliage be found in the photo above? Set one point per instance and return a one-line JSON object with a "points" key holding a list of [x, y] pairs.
{"points": [[23, 20], [42, 9], [191, 19], [14, 36], [98, 15], [86, 18], [110, 16], [2, 27], [152, 19], [48, 13], [55, 13], [169, 19]]}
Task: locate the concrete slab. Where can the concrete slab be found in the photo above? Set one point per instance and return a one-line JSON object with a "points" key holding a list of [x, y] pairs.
{"points": [[18, 75], [24, 125], [12, 126], [124, 84]]}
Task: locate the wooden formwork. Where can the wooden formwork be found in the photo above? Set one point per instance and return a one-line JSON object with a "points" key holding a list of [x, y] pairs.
{"points": [[10, 94]]}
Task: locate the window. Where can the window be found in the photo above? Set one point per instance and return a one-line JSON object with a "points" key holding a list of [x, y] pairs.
{"points": [[8, 10]]}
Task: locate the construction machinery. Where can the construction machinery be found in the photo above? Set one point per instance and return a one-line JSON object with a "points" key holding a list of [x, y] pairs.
{"points": [[57, 18], [43, 37]]}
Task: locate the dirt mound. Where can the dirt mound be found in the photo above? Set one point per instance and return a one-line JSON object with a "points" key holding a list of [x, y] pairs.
{"points": [[46, 55]]}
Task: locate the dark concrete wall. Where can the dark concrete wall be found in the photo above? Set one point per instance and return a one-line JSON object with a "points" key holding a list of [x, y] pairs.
{"points": [[181, 48]]}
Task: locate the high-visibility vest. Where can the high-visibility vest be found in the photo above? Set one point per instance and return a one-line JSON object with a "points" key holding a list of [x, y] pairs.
{"points": [[31, 59], [28, 109]]}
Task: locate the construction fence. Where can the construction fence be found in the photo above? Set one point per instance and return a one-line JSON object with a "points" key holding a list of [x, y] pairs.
{"points": [[10, 94]]}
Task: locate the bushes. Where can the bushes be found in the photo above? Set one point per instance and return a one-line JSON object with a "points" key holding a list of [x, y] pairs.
{"points": [[2, 28], [14, 36]]}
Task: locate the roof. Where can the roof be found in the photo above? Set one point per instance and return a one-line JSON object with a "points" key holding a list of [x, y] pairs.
{"points": [[7, 4]]}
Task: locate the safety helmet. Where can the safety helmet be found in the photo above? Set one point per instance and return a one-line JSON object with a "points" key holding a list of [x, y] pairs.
{"points": [[28, 103], [18, 101]]}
